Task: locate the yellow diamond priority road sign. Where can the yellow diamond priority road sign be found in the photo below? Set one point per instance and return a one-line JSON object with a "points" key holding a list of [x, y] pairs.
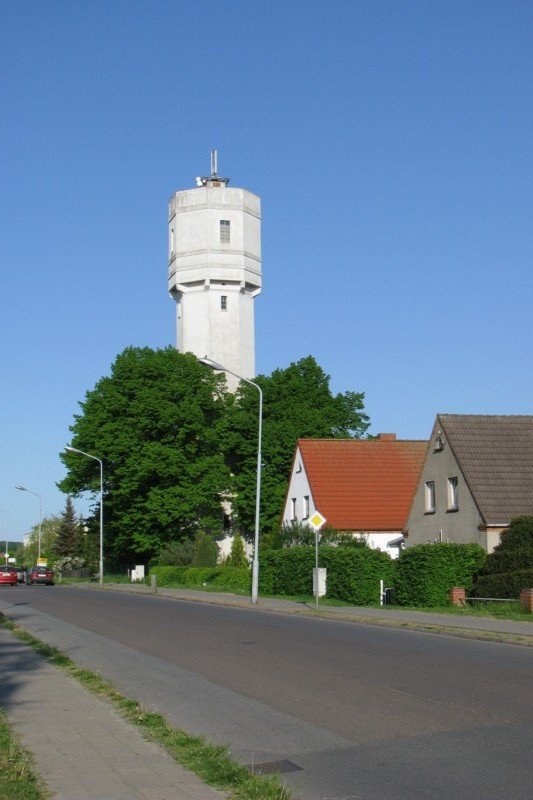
{"points": [[317, 520]]}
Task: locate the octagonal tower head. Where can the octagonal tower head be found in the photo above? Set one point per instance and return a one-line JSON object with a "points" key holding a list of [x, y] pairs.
{"points": [[215, 271]]}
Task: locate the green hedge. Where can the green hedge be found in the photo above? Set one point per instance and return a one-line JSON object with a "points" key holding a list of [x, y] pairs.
{"points": [[166, 576], [353, 573], [509, 560], [231, 578], [506, 584], [424, 574]]}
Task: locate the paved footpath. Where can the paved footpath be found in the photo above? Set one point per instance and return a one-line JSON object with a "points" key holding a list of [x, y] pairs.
{"points": [[82, 748]]}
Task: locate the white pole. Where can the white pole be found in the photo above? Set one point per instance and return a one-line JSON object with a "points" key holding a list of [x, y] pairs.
{"points": [[23, 489], [381, 593], [316, 567], [101, 556], [255, 563]]}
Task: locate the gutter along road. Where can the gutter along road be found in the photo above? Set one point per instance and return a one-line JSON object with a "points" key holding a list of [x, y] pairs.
{"points": [[359, 711]]}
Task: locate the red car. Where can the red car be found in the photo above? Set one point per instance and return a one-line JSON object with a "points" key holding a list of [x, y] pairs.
{"points": [[40, 575], [8, 575]]}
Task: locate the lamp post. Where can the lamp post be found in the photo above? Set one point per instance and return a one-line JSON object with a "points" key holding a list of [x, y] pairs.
{"points": [[2, 511], [23, 489], [101, 559], [255, 563]]}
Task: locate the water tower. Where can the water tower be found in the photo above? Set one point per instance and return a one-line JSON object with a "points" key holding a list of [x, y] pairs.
{"points": [[215, 271]]}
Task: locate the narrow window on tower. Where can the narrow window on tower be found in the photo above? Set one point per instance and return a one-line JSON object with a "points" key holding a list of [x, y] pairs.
{"points": [[224, 230], [223, 303]]}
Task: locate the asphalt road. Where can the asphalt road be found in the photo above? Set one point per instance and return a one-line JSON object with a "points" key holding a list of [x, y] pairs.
{"points": [[358, 711]]}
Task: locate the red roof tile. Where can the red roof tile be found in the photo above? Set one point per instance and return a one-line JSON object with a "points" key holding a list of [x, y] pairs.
{"points": [[363, 485]]}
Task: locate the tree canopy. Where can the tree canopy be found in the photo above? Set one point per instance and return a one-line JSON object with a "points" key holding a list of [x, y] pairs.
{"points": [[157, 423], [174, 443], [297, 403]]}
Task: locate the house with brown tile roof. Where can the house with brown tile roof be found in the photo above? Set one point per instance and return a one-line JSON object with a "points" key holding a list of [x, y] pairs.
{"points": [[477, 476], [363, 487]]}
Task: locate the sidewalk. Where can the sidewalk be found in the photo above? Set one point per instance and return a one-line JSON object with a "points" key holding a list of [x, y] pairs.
{"points": [[449, 623], [82, 748]]}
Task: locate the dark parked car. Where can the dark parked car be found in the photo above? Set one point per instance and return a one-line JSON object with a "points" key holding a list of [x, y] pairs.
{"points": [[40, 575], [8, 575]]}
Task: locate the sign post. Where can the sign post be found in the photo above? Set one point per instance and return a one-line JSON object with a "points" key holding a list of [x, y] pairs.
{"points": [[317, 521]]}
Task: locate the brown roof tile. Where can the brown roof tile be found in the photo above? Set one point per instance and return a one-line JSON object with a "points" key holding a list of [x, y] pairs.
{"points": [[495, 453], [363, 485]]}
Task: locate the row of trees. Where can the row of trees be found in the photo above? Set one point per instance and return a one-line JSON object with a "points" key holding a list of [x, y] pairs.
{"points": [[175, 444], [65, 540]]}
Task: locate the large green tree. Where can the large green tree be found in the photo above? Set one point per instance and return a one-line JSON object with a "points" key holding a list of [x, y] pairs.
{"points": [[297, 403], [157, 422]]}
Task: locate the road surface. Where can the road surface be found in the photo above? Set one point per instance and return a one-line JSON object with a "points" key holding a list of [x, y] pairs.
{"points": [[350, 711]]}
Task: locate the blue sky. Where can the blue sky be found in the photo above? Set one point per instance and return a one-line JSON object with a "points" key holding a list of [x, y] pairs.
{"points": [[391, 144]]}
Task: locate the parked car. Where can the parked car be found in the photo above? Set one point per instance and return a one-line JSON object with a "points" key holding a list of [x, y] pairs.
{"points": [[21, 574], [40, 575], [8, 575]]}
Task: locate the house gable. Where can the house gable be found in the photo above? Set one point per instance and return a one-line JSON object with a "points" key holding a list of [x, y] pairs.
{"points": [[436, 514]]}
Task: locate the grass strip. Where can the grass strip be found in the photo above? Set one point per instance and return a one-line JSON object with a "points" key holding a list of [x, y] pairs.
{"points": [[210, 762], [18, 780]]}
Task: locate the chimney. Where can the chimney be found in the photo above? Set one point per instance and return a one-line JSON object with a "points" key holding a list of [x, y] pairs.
{"points": [[387, 437]]}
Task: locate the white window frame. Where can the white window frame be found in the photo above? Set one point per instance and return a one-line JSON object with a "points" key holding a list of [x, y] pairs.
{"points": [[305, 507], [429, 497], [453, 493], [293, 509]]}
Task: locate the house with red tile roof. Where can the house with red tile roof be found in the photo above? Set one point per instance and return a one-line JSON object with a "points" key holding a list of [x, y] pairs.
{"points": [[477, 476], [363, 487]]}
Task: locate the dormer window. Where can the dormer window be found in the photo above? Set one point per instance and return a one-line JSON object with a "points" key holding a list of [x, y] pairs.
{"points": [[225, 231], [439, 442]]}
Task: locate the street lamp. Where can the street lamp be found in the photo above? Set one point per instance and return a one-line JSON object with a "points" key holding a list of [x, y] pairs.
{"points": [[23, 489], [255, 563], [101, 564], [2, 511]]}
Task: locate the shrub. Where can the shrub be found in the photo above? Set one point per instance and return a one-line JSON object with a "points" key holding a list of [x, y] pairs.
{"points": [[509, 569], [175, 554], [205, 551], [197, 576], [505, 584], [237, 557], [353, 574], [424, 574], [166, 576], [237, 579], [230, 578]]}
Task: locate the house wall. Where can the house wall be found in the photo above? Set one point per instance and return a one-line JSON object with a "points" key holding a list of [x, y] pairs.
{"points": [[298, 489], [460, 526]]}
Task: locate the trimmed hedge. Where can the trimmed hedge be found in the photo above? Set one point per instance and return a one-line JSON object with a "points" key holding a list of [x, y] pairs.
{"points": [[353, 573], [506, 584], [232, 578], [424, 574]]}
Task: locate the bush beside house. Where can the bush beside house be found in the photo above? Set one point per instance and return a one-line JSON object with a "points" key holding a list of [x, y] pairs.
{"points": [[509, 568], [424, 574]]}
